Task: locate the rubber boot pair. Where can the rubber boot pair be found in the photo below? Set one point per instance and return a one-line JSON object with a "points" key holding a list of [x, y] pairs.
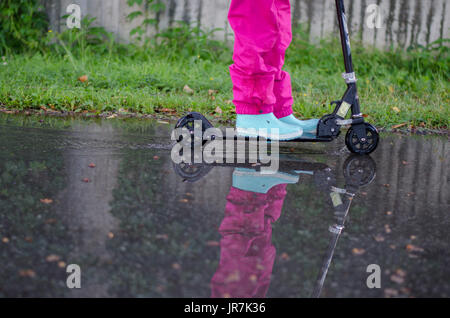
{"points": [[270, 127]]}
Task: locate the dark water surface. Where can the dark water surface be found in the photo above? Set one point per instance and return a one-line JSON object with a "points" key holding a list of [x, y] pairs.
{"points": [[137, 228]]}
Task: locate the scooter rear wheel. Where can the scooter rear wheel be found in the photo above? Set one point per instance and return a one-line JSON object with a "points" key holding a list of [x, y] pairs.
{"points": [[362, 147], [191, 121], [191, 172]]}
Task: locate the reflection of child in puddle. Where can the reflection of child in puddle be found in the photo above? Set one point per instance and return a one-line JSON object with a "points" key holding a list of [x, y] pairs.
{"points": [[247, 254]]}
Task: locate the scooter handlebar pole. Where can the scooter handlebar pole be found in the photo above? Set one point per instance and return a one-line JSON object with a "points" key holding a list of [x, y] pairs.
{"points": [[345, 37]]}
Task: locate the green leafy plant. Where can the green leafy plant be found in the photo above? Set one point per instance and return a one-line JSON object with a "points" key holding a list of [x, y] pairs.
{"points": [[23, 25], [148, 13], [185, 40], [78, 43]]}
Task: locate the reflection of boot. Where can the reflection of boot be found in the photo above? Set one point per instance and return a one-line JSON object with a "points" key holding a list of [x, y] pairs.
{"points": [[254, 181], [247, 254]]}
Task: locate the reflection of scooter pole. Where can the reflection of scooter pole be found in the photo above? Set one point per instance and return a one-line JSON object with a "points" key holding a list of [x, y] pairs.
{"points": [[358, 171]]}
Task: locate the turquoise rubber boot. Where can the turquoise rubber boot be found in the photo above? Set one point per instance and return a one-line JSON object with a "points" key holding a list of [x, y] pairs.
{"points": [[263, 125], [254, 181], [308, 126]]}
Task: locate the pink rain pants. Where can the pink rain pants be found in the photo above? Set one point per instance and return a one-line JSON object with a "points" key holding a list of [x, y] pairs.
{"points": [[246, 251], [262, 34]]}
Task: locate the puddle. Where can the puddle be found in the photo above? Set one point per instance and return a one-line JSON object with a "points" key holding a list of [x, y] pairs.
{"points": [[106, 196]]}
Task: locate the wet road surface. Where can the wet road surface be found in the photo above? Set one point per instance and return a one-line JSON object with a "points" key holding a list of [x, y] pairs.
{"points": [[106, 196]]}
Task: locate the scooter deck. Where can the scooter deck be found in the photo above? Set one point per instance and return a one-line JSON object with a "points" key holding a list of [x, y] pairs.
{"points": [[305, 138]]}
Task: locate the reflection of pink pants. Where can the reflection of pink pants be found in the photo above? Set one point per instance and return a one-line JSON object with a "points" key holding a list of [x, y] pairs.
{"points": [[262, 34], [246, 251]]}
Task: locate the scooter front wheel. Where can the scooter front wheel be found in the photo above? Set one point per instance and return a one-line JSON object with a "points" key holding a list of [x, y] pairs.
{"points": [[362, 147]]}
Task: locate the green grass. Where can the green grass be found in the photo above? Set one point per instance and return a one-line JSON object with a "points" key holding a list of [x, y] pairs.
{"points": [[394, 87]]}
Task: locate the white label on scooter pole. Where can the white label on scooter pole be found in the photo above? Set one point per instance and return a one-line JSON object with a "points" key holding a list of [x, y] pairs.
{"points": [[343, 110], [336, 199]]}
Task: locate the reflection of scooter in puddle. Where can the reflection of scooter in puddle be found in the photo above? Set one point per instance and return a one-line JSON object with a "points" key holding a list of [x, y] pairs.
{"points": [[255, 202]]}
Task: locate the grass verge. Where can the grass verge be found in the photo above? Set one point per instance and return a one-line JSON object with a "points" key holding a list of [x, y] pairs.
{"points": [[395, 88]]}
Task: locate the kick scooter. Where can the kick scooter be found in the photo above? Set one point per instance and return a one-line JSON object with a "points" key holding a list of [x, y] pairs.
{"points": [[361, 138]]}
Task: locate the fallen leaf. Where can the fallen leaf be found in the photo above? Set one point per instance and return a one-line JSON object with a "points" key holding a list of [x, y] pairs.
{"points": [[358, 251], [379, 238], [228, 102], [162, 236], [219, 110], [212, 92], [391, 89], [52, 258], [46, 201], [387, 228], [413, 237], [27, 273], [285, 257], [184, 201], [387, 185], [390, 292], [160, 288], [396, 109], [188, 90], [389, 212], [83, 78], [405, 290], [112, 116], [5, 240], [50, 221], [176, 266], [400, 272], [167, 110], [212, 243], [399, 125], [28, 239], [397, 279], [61, 264], [233, 277], [413, 248]]}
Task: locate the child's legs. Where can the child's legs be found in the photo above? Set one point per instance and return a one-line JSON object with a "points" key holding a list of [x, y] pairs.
{"points": [[282, 85], [256, 28]]}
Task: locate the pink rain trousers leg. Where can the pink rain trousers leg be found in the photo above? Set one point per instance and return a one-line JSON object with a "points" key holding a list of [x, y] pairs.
{"points": [[246, 251], [262, 34]]}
